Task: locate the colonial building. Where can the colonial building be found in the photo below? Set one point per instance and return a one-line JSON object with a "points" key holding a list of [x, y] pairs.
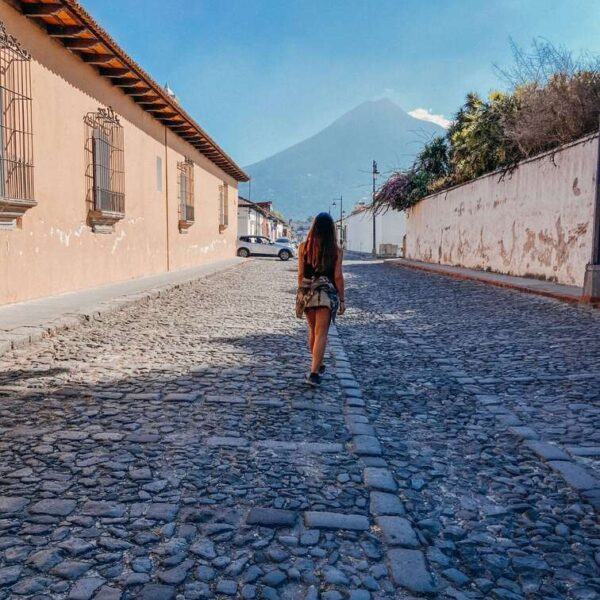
{"points": [[103, 175]]}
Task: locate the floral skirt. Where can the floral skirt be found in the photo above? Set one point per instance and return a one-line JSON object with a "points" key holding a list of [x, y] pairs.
{"points": [[318, 292]]}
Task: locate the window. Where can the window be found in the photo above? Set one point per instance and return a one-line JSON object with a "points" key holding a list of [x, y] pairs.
{"points": [[159, 174], [16, 135], [105, 169], [223, 207], [185, 178]]}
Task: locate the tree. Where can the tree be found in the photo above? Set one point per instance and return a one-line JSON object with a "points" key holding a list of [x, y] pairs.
{"points": [[478, 143], [433, 158]]}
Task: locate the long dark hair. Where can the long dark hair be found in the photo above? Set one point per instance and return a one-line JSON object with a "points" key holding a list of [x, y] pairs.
{"points": [[321, 248]]}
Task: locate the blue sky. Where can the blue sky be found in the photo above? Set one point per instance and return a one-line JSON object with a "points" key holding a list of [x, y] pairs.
{"points": [[260, 75]]}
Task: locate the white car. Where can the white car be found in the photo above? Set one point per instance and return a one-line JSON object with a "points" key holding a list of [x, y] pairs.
{"points": [[258, 245], [284, 240]]}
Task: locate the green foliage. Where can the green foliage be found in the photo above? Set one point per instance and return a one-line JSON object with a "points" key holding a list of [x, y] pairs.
{"points": [[277, 214], [433, 158], [478, 143]]}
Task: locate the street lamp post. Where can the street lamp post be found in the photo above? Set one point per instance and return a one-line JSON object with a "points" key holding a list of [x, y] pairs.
{"points": [[591, 283], [334, 203], [375, 173]]}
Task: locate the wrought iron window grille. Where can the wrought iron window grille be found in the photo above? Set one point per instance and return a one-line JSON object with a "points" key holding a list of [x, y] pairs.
{"points": [[16, 130], [105, 169], [223, 207], [185, 181]]}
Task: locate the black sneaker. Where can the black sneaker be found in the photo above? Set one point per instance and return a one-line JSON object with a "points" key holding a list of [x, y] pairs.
{"points": [[322, 370], [313, 379]]}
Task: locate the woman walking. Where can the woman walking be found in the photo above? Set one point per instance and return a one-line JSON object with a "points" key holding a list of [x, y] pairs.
{"points": [[320, 288]]}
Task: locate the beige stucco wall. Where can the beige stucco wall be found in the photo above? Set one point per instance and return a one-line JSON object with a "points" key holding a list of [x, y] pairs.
{"points": [[202, 242], [536, 221], [54, 250]]}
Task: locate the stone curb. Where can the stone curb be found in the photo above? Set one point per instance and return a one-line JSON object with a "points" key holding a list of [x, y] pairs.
{"points": [[27, 335], [525, 289], [407, 565]]}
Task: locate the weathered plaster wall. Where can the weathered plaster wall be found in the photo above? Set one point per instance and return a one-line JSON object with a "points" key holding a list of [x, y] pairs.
{"points": [[54, 250], [390, 226], [536, 221]]}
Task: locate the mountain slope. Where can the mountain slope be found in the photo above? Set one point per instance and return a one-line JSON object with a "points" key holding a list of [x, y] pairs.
{"points": [[303, 179]]}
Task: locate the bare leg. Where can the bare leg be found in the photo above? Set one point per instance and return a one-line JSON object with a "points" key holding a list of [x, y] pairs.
{"points": [[310, 319], [322, 319]]}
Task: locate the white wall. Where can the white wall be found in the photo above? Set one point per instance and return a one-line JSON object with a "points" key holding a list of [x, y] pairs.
{"points": [[536, 221], [243, 221], [249, 221], [390, 226]]}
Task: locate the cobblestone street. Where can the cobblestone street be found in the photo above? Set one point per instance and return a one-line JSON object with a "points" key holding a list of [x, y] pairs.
{"points": [[171, 450]]}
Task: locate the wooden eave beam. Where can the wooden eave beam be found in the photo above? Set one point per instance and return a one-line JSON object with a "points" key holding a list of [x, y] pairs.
{"points": [[149, 101], [41, 10], [97, 59], [65, 31], [114, 71], [125, 82], [80, 43], [208, 152], [158, 113], [136, 90]]}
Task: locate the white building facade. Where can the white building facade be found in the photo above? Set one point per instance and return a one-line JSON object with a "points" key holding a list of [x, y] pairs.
{"points": [[250, 218], [390, 231]]}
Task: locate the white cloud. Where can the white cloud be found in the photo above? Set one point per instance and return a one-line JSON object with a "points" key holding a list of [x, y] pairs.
{"points": [[425, 114]]}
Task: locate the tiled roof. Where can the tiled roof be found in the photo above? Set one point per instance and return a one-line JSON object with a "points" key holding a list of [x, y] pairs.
{"points": [[69, 23]]}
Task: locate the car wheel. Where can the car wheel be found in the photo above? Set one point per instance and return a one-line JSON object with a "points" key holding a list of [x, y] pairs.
{"points": [[285, 255], [243, 253]]}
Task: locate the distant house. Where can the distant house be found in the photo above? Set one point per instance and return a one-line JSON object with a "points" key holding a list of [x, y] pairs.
{"points": [[103, 175], [268, 223], [274, 226], [357, 231], [258, 218], [250, 218]]}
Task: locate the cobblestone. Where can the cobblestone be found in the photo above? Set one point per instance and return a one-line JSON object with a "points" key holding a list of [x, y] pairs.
{"points": [[170, 450], [481, 399]]}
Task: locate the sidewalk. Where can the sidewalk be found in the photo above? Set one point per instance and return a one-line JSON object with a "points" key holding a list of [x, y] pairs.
{"points": [[26, 322], [565, 293]]}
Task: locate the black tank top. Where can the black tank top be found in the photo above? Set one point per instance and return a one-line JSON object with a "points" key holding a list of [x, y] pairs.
{"points": [[310, 271]]}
